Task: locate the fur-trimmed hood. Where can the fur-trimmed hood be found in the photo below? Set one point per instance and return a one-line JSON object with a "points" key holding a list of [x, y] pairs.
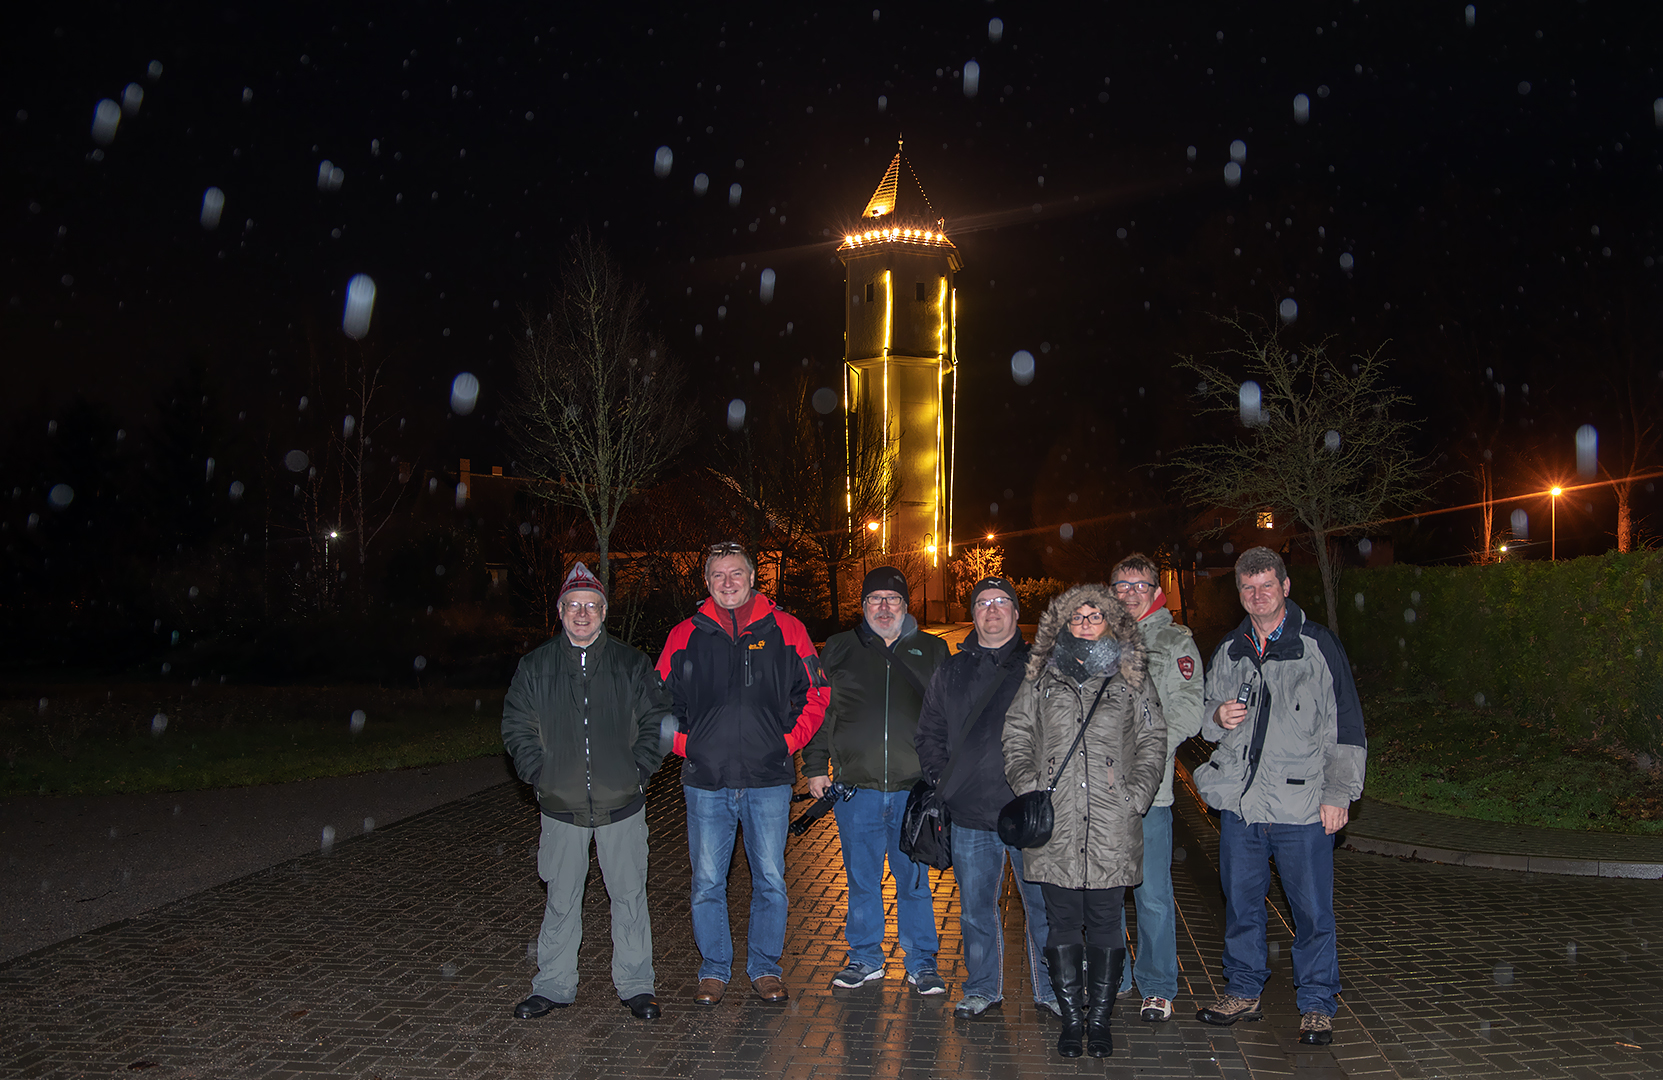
{"points": [[1134, 657]]}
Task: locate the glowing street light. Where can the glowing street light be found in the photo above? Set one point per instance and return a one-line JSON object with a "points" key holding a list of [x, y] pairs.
{"points": [[871, 526]]}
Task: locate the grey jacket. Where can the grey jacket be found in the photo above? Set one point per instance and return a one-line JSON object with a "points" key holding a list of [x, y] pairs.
{"points": [[1302, 745], [1175, 665], [1104, 789]]}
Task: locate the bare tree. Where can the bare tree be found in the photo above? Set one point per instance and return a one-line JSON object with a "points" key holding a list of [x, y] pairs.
{"points": [[1316, 441], [370, 492], [598, 410]]}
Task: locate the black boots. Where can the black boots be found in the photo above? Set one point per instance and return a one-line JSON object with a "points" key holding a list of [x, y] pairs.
{"points": [[1067, 965], [1103, 967]]}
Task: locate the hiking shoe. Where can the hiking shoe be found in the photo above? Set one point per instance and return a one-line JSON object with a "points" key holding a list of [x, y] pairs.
{"points": [[1156, 1010], [1228, 1009], [973, 1005], [927, 981], [1316, 1029], [857, 974]]}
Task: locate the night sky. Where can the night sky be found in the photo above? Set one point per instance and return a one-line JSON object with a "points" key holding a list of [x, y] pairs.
{"points": [[1476, 187]]}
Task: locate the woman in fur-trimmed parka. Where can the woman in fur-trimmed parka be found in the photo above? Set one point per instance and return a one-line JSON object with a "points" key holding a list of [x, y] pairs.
{"points": [[1086, 644]]}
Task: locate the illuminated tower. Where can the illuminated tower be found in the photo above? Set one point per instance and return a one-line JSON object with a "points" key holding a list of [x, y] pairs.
{"points": [[900, 357]]}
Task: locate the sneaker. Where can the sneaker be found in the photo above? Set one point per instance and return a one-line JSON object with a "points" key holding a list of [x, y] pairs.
{"points": [[973, 1005], [1049, 1006], [1228, 1009], [857, 974], [927, 981], [1156, 1010], [1316, 1029]]}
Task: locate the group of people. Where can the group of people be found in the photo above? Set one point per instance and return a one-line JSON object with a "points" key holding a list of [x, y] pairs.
{"points": [[1093, 712]]}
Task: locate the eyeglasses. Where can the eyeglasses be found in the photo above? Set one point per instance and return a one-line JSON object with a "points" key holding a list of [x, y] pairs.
{"points": [[1121, 588], [572, 607], [727, 547], [993, 602], [1094, 619], [886, 601]]}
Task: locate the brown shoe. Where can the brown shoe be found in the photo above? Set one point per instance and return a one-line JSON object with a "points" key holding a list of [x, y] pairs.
{"points": [[710, 991], [770, 989]]}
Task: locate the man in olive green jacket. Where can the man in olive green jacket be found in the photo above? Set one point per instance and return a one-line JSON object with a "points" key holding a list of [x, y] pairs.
{"points": [[878, 672], [582, 721]]}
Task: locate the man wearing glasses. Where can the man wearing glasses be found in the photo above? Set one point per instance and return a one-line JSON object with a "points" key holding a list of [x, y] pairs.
{"points": [[581, 721], [878, 672], [747, 693], [1175, 667], [963, 722]]}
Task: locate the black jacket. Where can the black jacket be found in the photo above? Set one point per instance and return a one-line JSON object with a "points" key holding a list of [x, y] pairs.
{"points": [[876, 693], [582, 726], [977, 790], [745, 698]]}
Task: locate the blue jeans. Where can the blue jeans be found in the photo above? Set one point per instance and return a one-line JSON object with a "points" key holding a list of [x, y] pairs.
{"points": [[713, 817], [1156, 964], [869, 828], [1304, 857], [979, 867]]}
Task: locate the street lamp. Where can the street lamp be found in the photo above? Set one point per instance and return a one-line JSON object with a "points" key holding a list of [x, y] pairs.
{"points": [[1553, 528]]}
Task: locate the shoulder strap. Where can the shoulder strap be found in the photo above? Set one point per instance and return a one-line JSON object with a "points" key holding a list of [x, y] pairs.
{"points": [[1075, 745]]}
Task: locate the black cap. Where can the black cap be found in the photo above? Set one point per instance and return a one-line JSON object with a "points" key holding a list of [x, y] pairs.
{"points": [[994, 583], [885, 577]]}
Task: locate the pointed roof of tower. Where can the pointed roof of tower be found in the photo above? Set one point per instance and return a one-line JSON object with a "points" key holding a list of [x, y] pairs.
{"points": [[899, 194]]}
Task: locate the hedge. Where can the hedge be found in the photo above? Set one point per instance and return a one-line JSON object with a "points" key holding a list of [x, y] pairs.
{"points": [[1578, 644]]}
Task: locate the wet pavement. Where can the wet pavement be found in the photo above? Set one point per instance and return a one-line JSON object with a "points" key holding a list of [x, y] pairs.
{"points": [[401, 952]]}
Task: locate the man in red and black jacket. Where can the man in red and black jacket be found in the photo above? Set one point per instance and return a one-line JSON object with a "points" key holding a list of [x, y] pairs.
{"points": [[747, 693]]}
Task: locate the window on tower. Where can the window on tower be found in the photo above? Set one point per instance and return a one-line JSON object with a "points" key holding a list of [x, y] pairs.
{"points": [[919, 292], [869, 292]]}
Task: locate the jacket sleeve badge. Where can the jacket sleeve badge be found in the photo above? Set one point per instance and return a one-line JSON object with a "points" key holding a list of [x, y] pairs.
{"points": [[1186, 667]]}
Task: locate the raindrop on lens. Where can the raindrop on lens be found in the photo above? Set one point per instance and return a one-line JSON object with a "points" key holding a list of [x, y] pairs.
{"points": [[357, 721], [995, 30], [1587, 451], [1301, 108], [701, 184], [1249, 398], [1472, 15], [1657, 112], [736, 414], [105, 119], [296, 461], [237, 490], [766, 291], [972, 78], [360, 305], [1288, 309], [131, 98], [60, 496], [461, 495], [421, 663], [1066, 531], [1358, 600], [1364, 546], [464, 392], [158, 723], [1521, 524], [1232, 174], [734, 191], [662, 159], [328, 840], [213, 205], [1409, 615], [1479, 699], [1022, 367], [825, 400], [1238, 152], [1504, 974], [1346, 261], [883, 102], [1332, 441]]}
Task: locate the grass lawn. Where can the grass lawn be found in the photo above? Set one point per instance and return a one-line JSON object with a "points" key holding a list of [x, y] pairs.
{"points": [[1483, 763], [85, 740]]}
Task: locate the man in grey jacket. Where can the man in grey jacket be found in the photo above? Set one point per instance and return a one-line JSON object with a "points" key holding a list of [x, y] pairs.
{"points": [[581, 721], [1283, 708], [1175, 667]]}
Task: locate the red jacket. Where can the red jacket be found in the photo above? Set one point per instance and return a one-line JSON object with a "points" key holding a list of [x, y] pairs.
{"points": [[745, 698]]}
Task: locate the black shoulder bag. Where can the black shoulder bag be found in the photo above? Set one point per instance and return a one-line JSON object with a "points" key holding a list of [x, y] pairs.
{"points": [[926, 827], [1027, 820]]}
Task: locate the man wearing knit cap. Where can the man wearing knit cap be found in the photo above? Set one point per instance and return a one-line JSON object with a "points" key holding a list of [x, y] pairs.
{"points": [[961, 726], [878, 673], [1175, 667], [581, 721]]}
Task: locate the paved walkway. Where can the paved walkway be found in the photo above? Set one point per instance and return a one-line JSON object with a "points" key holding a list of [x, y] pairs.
{"points": [[399, 953]]}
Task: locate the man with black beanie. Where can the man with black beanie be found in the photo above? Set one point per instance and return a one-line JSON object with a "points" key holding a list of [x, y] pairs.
{"points": [[878, 673], [963, 722]]}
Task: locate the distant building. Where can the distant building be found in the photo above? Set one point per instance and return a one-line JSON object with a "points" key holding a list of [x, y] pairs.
{"points": [[900, 359]]}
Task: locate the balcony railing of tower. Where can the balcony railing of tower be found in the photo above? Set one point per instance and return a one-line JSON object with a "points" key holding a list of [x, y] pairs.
{"points": [[923, 237]]}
